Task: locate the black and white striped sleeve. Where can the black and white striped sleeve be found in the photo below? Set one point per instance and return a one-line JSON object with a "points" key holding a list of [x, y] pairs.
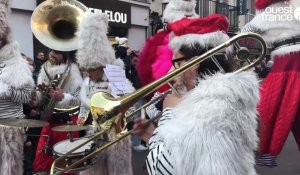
{"points": [[159, 159], [151, 110], [20, 95]]}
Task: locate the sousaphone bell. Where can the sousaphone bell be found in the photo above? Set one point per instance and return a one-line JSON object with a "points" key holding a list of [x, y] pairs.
{"points": [[55, 22]]}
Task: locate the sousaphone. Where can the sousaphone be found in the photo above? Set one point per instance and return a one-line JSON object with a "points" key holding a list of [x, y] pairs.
{"points": [[55, 22]]}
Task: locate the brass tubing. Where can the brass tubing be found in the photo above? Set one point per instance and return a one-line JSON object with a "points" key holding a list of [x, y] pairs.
{"points": [[119, 104], [106, 146], [72, 150]]}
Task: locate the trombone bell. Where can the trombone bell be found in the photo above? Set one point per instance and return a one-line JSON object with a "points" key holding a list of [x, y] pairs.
{"points": [[54, 23]]}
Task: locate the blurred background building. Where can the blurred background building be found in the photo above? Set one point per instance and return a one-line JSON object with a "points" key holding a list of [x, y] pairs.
{"points": [[134, 19]]}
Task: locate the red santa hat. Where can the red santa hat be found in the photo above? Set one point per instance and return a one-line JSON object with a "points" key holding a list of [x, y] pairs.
{"points": [[209, 31], [262, 4]]}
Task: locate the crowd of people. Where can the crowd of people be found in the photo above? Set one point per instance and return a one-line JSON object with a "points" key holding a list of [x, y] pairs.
{"points": [[207, 125]]}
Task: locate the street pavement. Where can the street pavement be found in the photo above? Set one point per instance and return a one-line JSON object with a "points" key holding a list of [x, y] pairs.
{"points": [[288, 161]]}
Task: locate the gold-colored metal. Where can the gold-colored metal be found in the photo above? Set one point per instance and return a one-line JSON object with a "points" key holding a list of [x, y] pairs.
{"points": [[54, 23], [107, 128], [158, 98], [70, 128], [104, 107]]}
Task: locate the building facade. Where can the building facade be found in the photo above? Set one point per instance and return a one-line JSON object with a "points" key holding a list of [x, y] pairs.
{"points": [[128, 18], [239, 12]]}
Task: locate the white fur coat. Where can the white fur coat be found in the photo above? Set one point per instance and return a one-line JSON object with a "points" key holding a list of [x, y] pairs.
{"points": [[213, 131], [15, 71], [71, 86]]}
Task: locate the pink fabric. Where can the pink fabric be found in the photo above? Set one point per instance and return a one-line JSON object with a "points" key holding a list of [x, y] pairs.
{"points": [[279, 106], [155, 59], [43, 161]]}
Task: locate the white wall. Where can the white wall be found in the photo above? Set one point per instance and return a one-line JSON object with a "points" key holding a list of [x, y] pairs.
{"points": [[139, 15], [156, 6], [20, 25], [24, 4], [136, 37]]}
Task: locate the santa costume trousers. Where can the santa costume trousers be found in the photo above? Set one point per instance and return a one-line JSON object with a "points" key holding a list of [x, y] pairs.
{"points": [[279, 107]]}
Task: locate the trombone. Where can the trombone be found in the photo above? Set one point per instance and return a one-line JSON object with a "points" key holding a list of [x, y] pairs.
{"points": [[105, 108], [124, 133]]}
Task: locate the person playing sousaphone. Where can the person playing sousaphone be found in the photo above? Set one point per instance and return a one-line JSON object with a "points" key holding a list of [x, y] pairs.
{"points": [[65, 97], [94, 55]]}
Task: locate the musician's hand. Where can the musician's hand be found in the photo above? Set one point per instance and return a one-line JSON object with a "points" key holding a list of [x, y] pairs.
{"points": [[80, 120], [171, 100], [56, 94], [145, 132]]}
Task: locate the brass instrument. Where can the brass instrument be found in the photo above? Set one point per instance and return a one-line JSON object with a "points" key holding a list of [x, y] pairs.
{"points": [[55, 22], [105, 108]]}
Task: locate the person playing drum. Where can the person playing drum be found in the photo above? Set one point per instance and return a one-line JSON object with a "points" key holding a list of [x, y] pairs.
{"points": [[94, 54]]}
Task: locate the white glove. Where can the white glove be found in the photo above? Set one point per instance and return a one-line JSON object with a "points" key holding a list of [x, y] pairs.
{"points": [[4, 90]]}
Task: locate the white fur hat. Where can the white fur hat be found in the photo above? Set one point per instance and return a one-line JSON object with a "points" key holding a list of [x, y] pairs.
{"points": [[177, 9], [4, 10], [94, 50]]}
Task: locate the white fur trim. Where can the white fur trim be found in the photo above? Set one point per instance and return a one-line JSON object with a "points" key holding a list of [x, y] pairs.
{"points": [[205, 40], [16, 72], [177, 9], [73, 82], [273, 31], [219, 138], [284, 51], [94, 50]]}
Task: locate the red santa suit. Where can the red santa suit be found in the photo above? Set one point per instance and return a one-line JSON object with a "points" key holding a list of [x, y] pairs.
{"points": [[280, 92]]}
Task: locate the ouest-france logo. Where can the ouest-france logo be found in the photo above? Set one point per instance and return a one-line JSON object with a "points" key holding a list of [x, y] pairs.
{"points": [[277, 14]]}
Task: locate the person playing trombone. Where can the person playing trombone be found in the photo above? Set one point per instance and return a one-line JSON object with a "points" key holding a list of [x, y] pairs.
{"points": [[211, 128]]}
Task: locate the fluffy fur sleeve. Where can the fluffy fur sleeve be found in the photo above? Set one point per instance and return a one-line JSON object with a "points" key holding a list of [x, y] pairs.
{"points": [[219, 120]]}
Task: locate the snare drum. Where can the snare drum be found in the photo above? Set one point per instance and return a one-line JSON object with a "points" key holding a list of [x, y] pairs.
{"points": [[61, 148]]}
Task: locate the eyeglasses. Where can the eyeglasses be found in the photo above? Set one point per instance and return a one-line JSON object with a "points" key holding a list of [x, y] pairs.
{"points": [[178, 61]]}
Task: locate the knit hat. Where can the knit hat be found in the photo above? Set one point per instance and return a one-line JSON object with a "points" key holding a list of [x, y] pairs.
{"points": [[121, 41], [94, 50], [4, 11], [177, 9], [209, 31]]}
